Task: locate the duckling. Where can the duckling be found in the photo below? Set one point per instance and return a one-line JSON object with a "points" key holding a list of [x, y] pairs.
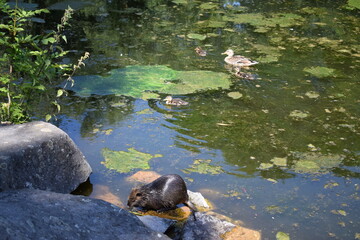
{"points": [[237, 60], [200, 51], [244, 75], [169, 100]]}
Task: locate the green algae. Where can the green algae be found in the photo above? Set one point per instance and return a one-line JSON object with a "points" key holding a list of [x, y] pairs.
{"points": [[353, 4], [314, 162], [140, 81], [282, 236], [204, 166], [263, 23], [281, 162], [124, 162], [196, 36], [320, 72]]}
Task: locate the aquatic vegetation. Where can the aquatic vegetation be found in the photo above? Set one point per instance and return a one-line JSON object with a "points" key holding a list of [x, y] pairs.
{"points": [[297, 114], [235, 95], [123, 162], [140, 81], [320, 72], [264, 166], [282, 236], [269, 53], [204, 166], [314, 162], [196, 36], [281, 162], [208, 5], [264, 23], [353, 4], [273, 209], [312, 94]]}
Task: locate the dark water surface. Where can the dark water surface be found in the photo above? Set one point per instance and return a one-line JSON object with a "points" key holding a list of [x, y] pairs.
{"points": [[284, 156]]}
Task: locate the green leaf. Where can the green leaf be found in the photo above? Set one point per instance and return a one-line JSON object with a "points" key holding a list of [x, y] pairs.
{"points": [[47, 117], [64, 38], [59, 92], [46, 41], [3, 89], [40, 87]]}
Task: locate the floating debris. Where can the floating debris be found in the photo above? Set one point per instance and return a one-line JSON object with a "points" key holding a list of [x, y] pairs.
{"points": [[235, 95], [297, 114]]}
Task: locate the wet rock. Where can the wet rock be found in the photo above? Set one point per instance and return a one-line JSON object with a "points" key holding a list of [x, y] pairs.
{"points": [[205, 227], [42, 156], [143, 177], [156, 223], [198, 200], [241, 233], [104, 193], [37, 214]]}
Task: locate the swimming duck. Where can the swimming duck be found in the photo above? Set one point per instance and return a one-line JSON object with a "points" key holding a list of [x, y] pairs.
{"points": [[244, 75], [169, 100], [237, 60], [200, 51]]}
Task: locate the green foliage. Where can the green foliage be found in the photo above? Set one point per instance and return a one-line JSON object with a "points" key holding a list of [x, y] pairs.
{"points": [[29, 64]]}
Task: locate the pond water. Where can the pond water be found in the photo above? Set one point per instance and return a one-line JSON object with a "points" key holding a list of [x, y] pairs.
{"points": [[280, 152]]}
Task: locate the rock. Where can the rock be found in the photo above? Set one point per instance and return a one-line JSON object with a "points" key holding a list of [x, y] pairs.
{"points": [[241, 233], [156, 223], [104, 193], [42, 156], [143, 177], [198, 200], [37, 214], [205, 227]]}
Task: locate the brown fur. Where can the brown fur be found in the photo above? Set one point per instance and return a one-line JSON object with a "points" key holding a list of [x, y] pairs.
{"points": [[162, 194]]}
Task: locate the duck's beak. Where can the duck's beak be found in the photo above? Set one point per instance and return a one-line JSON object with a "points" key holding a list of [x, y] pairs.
{"points": [[223, 53]]}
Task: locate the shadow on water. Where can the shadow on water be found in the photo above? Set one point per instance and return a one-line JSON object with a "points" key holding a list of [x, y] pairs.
{"points": [[280, 152]]}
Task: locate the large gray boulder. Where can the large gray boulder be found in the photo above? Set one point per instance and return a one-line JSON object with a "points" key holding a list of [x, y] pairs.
{"points": [[42, 156], [36, 214]]}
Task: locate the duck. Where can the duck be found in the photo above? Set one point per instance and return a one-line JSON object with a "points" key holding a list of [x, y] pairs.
{"points": [[169, 100], [200, 51], [237, 60], [244, 75]]}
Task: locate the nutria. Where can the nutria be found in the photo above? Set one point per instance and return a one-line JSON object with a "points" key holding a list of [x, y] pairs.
{"points": [[160, 195]]}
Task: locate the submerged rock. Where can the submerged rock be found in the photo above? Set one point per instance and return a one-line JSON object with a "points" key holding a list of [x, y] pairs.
{"points": [[210, 227], [40, 155], [36, 214]]}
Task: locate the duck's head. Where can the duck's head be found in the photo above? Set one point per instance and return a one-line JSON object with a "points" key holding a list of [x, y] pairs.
{"points": [[229, 52], [168, 99]]}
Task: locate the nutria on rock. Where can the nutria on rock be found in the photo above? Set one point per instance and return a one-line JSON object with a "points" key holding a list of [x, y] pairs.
{"points": [[161, 195]]}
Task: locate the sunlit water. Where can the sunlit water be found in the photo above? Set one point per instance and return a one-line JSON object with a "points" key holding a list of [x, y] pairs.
{"points": [[237, 135]]}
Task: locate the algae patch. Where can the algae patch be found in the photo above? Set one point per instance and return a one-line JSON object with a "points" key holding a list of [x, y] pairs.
{"points": [[264, 24], [124, 162], [313, 162], [203, 166], [320, 72], [140, 81]]}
